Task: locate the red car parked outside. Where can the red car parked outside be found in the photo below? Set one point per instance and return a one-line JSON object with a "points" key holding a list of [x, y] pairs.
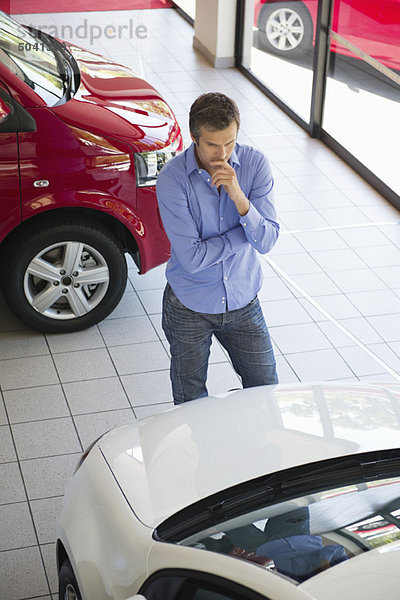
{"points": [[82, 140], [287, 27]]}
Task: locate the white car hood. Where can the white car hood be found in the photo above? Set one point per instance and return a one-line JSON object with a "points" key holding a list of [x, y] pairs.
{"points": [[168, 461]]}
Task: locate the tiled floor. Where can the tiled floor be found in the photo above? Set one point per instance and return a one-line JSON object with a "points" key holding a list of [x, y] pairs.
{"points": [[331, 297]]}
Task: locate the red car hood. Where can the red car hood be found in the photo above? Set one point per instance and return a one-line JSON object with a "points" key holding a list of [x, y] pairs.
{"points": [[112, 98], [107, 79]]}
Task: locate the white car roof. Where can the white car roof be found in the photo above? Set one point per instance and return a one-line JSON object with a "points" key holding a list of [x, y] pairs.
{"points": [[170, 460]]}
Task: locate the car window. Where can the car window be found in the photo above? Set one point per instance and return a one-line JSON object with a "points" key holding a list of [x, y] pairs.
{"points": [[299, 535], [31, 59], [207, 594], [182, 584]]}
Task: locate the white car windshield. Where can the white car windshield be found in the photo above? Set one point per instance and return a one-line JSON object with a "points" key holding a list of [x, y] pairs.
{"points": [[299, 535]]}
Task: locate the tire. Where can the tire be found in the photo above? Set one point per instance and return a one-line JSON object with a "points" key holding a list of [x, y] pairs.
{"points": [[285, 28], [64, 277], [67, 585]]}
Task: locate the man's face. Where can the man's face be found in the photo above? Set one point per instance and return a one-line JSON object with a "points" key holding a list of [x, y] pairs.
{"points": [[215, 145]]}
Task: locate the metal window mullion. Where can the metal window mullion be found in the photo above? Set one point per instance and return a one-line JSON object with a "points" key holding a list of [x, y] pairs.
{"points": [[320, 65]]}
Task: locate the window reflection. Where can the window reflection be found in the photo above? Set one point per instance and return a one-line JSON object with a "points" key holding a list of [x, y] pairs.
{"points": [[376, 531], [278, 49], [362, 101], [362, 105], [31, 59], [300, 537]]}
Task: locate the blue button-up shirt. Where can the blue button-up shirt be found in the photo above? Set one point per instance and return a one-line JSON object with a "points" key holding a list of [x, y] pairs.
{"points": [[214, 265]]}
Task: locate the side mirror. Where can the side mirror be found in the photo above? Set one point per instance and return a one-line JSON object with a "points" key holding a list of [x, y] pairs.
{"points": [[14, 117], [5, 110]]}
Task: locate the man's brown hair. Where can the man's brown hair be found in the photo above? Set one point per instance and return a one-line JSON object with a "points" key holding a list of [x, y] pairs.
{"points": [[214, 111]]}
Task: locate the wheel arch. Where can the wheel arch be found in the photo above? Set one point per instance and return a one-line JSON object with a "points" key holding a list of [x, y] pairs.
{"points": [[93, 216], [61, 554]]}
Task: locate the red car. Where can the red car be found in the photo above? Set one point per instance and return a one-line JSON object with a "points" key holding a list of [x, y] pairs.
{"points": [[82, 140], [287, 28]]}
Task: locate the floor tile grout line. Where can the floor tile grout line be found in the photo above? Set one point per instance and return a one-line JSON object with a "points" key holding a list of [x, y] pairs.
{"points": [[336, 227], [367, 267], [60, 383], [117, 374], [341, 327], [68, 416], [35, 529]]}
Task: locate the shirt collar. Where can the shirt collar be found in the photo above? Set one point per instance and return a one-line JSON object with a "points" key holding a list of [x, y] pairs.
{"points": [[191, 162]]}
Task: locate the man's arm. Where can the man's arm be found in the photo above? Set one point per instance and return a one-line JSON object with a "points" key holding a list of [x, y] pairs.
{"points": [[193, 253], [257, 212]]}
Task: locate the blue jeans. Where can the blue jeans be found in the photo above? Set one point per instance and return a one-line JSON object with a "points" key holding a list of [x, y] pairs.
{"points": [[243, 333]]}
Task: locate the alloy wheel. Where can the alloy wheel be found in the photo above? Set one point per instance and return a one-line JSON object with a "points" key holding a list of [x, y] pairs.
{"points": [[284, 29], [66, 280]]}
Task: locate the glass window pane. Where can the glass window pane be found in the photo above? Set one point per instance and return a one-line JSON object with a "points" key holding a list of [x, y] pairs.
{"points": [[376, 531], [299, 537], [362, 105], [278, 49], [188, 6]]}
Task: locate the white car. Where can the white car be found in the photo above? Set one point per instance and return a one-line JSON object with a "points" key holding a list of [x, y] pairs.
{"points": [[276, 492]]}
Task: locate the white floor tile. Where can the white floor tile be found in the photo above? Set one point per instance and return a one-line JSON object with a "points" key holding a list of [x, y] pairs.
{"points": [[22, 574], [7, 451], [359, 280], [148, 388], [11, 487], [3, 416], [299, 338], [35, 404], [79, 340], [88, 364], [324, 365], [95, 395], [49, 558], [388, 327], [46, 513], [20, 344], [140, 358], [45, 477], [221, 378], [93, 425], [284, 312], [128, 330], [45, 438], [25, 372], [16, 526], [376, 302]]}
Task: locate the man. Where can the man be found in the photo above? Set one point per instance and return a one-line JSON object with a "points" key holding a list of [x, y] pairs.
{"points": [[216, 206]]}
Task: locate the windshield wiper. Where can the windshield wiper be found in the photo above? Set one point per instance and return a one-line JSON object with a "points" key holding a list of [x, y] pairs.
{"points": [[278, 487], [348, 469]]}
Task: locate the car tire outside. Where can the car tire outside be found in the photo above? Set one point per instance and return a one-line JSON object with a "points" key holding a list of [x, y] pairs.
{"points": [[285, 28], [64, 277], [68, 588]]}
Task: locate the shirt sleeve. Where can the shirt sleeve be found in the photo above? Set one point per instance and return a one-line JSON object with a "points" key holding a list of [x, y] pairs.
{"points": [[260, 224], [193, 253]]}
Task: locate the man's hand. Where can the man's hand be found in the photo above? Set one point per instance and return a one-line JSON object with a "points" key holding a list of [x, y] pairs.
{"points": [[223, 174]]}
